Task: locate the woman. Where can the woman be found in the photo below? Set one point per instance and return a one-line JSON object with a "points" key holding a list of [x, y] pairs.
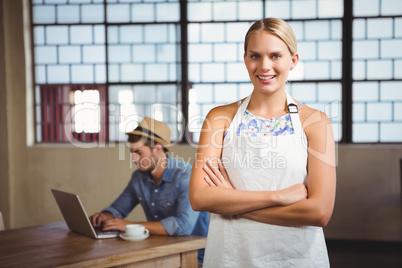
{"points": [[255, 161]]}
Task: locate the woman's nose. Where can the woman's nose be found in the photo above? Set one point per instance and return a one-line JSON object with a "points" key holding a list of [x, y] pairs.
{"points": [[265, 64]]}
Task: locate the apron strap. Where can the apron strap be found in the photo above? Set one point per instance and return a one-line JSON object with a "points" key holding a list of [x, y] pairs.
{"points": [[243, 107], [294, 114]]}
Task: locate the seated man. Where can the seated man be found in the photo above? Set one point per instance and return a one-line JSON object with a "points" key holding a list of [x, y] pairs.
{"points": [[160, 185]]}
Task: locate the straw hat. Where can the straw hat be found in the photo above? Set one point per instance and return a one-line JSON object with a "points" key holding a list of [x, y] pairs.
{"points": [[153, 129]]}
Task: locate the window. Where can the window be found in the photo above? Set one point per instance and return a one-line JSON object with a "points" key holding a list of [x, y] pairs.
{"points": [[101, 66], [216, 32], [377, 71], [175, 60], [70, 113]]}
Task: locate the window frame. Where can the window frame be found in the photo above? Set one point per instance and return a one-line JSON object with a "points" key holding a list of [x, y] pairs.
{"points": [[184, 84]]}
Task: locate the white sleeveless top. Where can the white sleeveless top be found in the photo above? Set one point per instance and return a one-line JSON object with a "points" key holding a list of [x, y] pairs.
{"points": [[266, 163]]}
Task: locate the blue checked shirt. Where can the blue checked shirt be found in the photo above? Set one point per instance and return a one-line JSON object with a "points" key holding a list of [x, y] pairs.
{"points": [[167, 202]]}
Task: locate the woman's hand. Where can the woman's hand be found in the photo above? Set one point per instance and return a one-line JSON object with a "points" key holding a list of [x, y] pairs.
{"points": [[217, 176]]}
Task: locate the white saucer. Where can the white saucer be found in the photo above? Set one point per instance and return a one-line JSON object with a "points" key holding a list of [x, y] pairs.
{"points": [[134, 238]]}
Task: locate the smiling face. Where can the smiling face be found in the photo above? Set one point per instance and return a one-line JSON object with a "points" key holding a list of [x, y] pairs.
{"points": [[268, 61]]}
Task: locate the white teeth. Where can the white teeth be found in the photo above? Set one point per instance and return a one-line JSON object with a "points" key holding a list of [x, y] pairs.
{"points": [[265, 77]]}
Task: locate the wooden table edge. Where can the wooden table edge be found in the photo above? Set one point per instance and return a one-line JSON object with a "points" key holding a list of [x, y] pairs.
{"points": [[141, 255]]}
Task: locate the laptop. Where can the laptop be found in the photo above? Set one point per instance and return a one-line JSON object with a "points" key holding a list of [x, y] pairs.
{"points": [[76, 218]]}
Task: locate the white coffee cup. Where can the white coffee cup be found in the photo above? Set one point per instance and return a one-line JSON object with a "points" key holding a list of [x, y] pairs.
{"points": [[136, 230]]}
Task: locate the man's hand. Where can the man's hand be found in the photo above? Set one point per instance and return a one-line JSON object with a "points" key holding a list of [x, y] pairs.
{"points": [[99, 218], [115, 224]]}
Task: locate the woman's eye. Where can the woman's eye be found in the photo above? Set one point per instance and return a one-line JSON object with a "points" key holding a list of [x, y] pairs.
{"points": [[276, 56], [254, 57]]}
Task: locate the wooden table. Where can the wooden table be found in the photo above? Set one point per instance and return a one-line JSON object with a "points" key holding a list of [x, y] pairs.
{"points": [[53, 245]]}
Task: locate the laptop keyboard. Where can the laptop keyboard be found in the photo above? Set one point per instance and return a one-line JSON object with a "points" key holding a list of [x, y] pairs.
{"points": [[99, 230]]}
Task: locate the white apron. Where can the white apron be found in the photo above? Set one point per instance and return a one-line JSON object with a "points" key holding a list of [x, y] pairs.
{"points": [[255, 164]]}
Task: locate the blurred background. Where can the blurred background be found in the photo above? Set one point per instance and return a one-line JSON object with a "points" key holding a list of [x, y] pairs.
{"points": [[75, 75]]}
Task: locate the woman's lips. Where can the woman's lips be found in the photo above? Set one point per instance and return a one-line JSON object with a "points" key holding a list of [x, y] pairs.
{"points": [[266, 78]]}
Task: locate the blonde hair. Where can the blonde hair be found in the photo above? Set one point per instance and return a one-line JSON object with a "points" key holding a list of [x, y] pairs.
{"points": [[277, 27]]}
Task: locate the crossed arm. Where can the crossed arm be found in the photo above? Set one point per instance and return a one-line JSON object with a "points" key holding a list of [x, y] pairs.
{"points": [[210, 188]]}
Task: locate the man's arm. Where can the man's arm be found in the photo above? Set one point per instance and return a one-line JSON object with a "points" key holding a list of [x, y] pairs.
{"points": [[154, 227], [182, 220], [120, 208], [126, 201]]}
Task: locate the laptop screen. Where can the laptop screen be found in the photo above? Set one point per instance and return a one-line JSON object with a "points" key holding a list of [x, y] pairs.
{"points": [[75, 215]]}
